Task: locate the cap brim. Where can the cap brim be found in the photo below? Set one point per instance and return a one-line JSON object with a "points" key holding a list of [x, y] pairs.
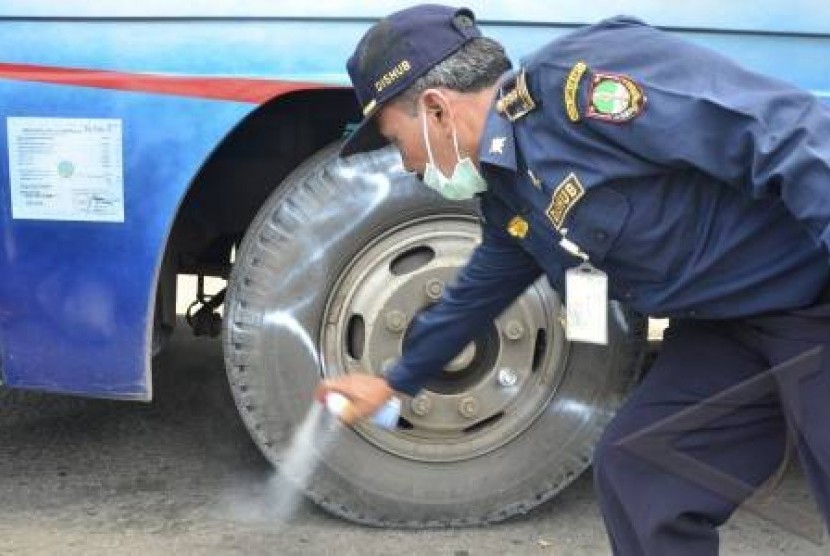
{"points": [[366, 137]]}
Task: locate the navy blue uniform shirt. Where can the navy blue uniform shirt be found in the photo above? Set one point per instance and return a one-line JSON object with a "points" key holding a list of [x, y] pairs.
{"points": [[701, 189]]}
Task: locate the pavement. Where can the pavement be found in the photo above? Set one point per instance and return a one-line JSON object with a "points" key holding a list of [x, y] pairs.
{"points": [[180, 475]]}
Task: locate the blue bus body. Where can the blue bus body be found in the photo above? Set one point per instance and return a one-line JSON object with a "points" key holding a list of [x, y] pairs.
{"points": [[78, 294]]}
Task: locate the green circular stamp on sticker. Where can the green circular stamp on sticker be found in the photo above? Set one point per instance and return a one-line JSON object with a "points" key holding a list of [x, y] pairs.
{"points": [[65, 169]]}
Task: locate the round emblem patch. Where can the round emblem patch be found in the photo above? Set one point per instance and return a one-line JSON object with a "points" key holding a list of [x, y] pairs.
{"points": [[614, 98]]}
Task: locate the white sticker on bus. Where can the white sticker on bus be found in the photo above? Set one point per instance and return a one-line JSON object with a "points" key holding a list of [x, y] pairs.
{"points": [[66, 169]]}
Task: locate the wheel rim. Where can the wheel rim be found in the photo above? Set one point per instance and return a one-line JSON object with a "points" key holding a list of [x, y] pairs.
{"points": [[488, 394]]}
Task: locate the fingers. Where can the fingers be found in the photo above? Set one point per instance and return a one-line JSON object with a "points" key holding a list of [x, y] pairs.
{"points": [[349, 416], [322, 389], [365, 394], [346, 411], [340, 385]]}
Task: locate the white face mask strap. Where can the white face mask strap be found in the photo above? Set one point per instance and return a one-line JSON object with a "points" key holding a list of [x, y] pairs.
{"points": [[454, 134], [455, 143], [426, 138], [426, 135]]}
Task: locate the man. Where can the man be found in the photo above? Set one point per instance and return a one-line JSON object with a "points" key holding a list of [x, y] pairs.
{"points": [[701, 189]]}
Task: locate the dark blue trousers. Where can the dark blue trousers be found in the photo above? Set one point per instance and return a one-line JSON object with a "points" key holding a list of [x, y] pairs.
{"points": [[650, 507]]}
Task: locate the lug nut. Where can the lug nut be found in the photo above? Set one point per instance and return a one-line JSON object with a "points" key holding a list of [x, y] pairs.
{"points": [[434, 288], [514, 330], [420, 405], [508, 377], [469, 407], [395, 320]]}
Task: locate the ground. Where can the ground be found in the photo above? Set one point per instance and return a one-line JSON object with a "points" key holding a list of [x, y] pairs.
{"points": [[179, 475]]}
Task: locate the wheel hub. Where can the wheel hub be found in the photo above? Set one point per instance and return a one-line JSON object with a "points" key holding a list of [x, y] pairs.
{"points": [[486, 395]]}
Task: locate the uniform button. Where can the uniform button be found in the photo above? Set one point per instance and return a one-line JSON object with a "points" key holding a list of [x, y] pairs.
{"points": [[600, 235], [628, 295], [692, 313]]}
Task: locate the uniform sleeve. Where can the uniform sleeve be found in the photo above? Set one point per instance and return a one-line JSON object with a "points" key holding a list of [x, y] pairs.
{"points": [[706, 112], [498, 271]]}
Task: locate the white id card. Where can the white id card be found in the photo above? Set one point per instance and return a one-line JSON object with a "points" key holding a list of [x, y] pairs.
{"points": [[587, 304]]}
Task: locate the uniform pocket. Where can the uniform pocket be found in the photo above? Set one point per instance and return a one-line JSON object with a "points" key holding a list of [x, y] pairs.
{"points": [[596, 221]]}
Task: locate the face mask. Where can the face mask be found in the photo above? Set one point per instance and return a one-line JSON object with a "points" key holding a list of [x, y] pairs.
{"points": [[465, 181]]}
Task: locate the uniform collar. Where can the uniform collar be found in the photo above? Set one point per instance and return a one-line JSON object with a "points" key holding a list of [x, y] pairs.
{"points": [[497, 146]]}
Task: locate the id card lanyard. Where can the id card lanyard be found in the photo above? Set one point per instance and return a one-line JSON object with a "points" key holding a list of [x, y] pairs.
{"points": [[586, 299]]}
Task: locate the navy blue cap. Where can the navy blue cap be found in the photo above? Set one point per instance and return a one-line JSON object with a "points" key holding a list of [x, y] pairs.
{"points": [[394, 53]]}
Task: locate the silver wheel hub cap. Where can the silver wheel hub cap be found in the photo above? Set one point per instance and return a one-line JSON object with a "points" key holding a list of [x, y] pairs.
{"points": [[491, 391]]}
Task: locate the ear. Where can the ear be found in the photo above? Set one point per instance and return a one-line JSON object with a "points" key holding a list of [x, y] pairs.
{"points": [[437, 108]]}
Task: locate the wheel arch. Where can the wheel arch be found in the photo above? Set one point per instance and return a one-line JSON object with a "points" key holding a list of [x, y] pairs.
{"points": [[236, 178], [254, 158]]}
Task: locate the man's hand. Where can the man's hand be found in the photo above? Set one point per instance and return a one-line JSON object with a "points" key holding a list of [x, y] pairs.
{"points": [[367, 393]]}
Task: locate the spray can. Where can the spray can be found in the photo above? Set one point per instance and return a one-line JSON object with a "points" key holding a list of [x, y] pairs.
{"points": [[386, 417]]}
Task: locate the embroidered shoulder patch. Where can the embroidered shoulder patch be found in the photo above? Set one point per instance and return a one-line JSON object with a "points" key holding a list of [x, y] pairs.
{"points": [[565, 196], [515, 100], [614, 98], [572, 88]]}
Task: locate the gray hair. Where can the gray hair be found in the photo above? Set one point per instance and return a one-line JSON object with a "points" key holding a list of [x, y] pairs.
{"points": [[476, 65]]}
